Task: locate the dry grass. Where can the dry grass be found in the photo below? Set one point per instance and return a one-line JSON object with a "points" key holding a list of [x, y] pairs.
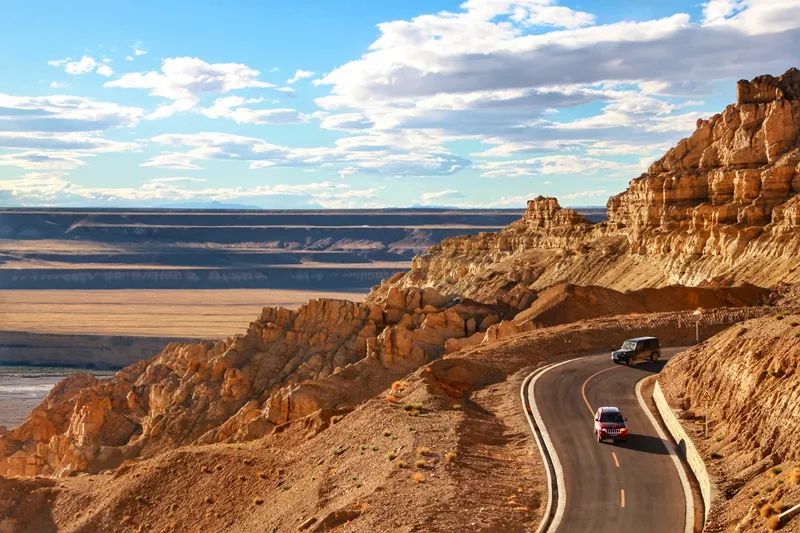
{"points": [[424, 450], [418, 477], [209, 313], [449, 457]]}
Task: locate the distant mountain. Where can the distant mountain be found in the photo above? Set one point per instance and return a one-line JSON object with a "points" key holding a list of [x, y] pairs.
{"points": [[204, 205]]}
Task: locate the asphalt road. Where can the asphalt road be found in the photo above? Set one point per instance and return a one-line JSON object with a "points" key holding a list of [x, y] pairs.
{"points": [[630, 486]]}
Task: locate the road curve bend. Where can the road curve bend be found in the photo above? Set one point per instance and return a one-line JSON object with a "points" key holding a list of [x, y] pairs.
{"points": [[633, 486]]}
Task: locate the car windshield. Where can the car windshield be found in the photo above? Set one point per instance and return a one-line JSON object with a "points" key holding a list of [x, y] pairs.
{"points": [[615, 418], [629, 345]]}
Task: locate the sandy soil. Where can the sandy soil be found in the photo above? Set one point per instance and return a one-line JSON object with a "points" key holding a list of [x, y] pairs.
{"points": [[163, 313]]}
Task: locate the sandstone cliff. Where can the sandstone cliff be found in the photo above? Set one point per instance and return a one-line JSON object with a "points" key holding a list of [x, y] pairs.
{"points": [[722, 206]]}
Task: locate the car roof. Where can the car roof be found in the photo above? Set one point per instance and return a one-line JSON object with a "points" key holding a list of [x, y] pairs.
{"points": [[643, 338], [609, 409]]}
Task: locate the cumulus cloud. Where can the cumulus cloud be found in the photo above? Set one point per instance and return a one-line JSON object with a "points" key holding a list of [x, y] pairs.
{"points": [[300, 74], [184, 80], [59, 113], [84, 65]]}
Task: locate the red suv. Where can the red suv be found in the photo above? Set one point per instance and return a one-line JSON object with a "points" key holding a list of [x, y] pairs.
{"points": [[609, 424]]}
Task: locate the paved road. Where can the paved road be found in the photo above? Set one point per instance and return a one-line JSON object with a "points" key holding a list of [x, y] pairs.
{"points": [[631, 486]]}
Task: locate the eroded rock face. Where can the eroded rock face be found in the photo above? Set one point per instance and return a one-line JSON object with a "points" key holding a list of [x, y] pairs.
{"points": [[719, 207], [287, 365]]}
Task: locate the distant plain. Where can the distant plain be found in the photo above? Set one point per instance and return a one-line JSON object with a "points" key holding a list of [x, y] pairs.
{"points": [[206, 313]]}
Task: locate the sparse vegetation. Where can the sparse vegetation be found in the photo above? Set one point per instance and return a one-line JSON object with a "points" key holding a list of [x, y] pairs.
{"points": [[418, 477], [776, 470], [450, 457], [391, 456], [424, 451], [794, 477], [387, 433], [420, 463]]}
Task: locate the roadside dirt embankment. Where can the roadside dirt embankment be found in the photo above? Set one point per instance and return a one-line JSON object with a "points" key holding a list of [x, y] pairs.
{"points": [[746, 381]]}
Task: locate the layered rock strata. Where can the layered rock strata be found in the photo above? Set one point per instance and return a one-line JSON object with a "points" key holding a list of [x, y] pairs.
{"points": [[722, 206]]}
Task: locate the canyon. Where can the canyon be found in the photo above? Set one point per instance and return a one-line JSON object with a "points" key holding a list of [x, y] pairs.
{"points": [[328, 403]]}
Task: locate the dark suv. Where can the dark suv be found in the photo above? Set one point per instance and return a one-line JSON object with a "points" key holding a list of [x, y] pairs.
{"points": [[638, 349]]}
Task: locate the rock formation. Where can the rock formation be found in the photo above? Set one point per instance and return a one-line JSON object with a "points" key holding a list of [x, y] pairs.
{"points": [[327, 355], [722, 206]]}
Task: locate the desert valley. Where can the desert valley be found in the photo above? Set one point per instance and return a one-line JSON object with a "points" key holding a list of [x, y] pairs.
{"points": [[427, 394]]}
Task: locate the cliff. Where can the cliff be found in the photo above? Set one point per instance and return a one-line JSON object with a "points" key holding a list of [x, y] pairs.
{"points": [[720, 207]]}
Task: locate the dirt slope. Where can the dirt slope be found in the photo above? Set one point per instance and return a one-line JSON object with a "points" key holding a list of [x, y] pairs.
{"points": [[751, 373]]}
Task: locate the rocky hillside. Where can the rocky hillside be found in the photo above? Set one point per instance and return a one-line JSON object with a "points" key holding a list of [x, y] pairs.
{"points": [[722, 206], [747, 381]]}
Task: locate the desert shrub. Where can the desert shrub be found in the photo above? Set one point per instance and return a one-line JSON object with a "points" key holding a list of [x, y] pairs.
{"points": [[794, 477], [420, 463], [391, 456], [773, 523], [776, 470], [418, 477], [424, 450], [387, 433], [450, 457]]}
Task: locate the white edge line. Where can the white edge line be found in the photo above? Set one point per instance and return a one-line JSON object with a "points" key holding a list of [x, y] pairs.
{"points": [[561, 504], [687, 489], [549, 503]]}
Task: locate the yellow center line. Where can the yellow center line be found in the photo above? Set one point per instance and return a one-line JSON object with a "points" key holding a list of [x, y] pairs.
{"points": [[583, 387], [622, 498], [616, 461]]}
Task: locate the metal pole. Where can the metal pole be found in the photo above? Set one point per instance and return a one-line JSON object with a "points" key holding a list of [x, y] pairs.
{"points": [[697, 330]]}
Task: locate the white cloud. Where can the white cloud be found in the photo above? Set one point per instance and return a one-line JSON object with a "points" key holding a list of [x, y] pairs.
{"points": [[84, 65], [184, 80], [48, 188], [440, 197], [551, 165], [300, 74], [60, 113], [42, 160], [236, 108]]}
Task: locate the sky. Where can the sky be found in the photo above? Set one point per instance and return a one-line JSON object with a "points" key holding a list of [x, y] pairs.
{"points": [[363, 104]]}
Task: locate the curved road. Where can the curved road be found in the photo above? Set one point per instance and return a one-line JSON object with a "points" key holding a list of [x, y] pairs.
{"points": [[630, 486]]}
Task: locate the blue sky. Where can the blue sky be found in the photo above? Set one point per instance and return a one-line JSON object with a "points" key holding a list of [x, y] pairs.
{"points": [[305, 104]]}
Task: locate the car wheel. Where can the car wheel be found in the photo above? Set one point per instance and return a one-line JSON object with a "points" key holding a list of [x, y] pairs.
{"points": [[654, 356]]}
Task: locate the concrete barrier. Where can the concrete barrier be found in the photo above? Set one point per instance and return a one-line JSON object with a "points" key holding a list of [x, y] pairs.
{"points": [[687, 450], [789, 514]]}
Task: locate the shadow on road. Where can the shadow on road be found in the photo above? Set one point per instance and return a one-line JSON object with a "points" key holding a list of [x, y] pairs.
{"points": [[651, 367], [644, 443]]}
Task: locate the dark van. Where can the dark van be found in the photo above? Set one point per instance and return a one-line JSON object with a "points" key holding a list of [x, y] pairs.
{"points": [[637, 350]]}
